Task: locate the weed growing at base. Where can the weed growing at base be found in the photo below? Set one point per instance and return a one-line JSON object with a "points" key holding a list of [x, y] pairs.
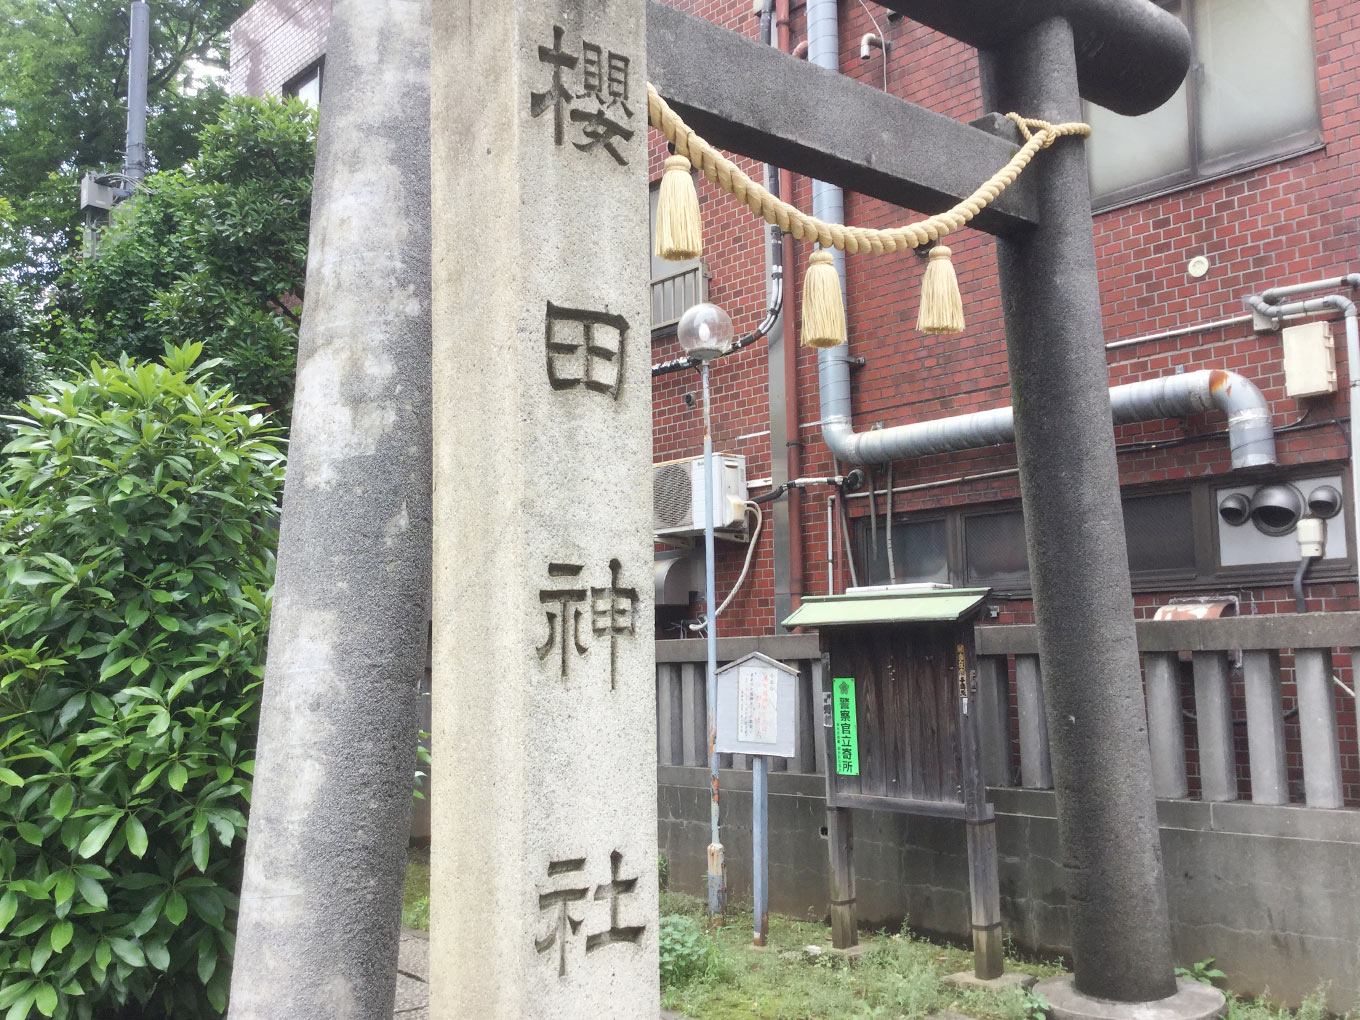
{"points": [[897, 978]]}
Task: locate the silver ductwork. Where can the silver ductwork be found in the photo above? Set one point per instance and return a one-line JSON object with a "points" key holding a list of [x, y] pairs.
{"points": [[1251, 435], [828, 201]]}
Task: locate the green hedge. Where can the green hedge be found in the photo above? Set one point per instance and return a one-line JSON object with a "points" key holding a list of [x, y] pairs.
{"points": [[138, 510]]}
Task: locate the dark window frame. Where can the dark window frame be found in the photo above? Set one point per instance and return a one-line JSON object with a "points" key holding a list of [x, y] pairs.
{"points": [[1206, 575], [316, 69], [1203, 170]]}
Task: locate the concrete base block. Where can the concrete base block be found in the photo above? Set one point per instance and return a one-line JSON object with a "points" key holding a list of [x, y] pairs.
{"points": [[850, 954], [1192, 1001], [1010, 979]]}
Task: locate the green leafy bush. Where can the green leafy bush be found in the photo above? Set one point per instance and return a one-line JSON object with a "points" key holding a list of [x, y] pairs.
{"points": [[137, 524], [18, 372], [686, 950]]}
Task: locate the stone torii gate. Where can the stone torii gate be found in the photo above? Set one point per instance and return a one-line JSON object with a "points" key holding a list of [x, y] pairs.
{"points": [[544, 804]]}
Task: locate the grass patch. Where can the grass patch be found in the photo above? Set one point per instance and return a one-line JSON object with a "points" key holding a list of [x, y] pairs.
{"points": [[897, 978], [415, 896], [713, 972]]}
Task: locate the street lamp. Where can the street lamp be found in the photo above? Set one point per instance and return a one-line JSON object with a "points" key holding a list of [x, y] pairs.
{"points": [[705, 332]]}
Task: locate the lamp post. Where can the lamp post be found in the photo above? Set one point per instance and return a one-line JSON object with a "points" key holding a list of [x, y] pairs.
{"points": [[705, 332]]}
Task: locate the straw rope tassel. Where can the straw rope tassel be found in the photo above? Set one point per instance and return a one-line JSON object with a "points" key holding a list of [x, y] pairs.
{"points": [[941, 308], [823, 309], [1037, 135], [679, 231]]}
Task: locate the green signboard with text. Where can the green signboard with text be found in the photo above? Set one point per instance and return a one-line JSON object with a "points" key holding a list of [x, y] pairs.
{"points": [[843, 726]]}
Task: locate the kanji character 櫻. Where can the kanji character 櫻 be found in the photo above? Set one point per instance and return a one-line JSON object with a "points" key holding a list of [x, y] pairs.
{"points": [[557, 95]]}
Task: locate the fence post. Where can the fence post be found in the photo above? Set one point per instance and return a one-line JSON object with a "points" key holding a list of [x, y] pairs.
{"points": [[994, 720], [1265, 726], [1166, 730], [1213, 715], [1317, 727], [1036, 773]]}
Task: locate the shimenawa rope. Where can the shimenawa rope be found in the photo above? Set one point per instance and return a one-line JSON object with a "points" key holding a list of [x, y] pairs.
{"points": [[942, 309]]}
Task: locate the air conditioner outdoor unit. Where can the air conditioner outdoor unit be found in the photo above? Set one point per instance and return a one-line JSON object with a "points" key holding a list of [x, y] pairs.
{"points": [[677, 495]]}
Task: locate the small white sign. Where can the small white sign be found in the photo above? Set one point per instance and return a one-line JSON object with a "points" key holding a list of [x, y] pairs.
{"points": [[757, 701], [758, 704]]}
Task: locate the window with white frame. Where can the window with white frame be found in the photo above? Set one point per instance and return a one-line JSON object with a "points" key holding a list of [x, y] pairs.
{"points": [[676, 286], [1250, 98]]}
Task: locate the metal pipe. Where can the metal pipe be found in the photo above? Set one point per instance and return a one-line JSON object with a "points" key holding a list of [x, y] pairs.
{"points": [[1263, 304], [830, 545], [849, 553], [760, 846], [1170, 334], [873, 515], [1274, 294], [937, 482], [134, 160], [1251, 437], [828, 203], [1300, 606], [773, 308], [792, 437], [892, 565], [716, 865]]}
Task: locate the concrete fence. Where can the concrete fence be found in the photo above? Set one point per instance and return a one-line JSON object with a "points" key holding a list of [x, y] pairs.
{"points": [[1254, 750]]}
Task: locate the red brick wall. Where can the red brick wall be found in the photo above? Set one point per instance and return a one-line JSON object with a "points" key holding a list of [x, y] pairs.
{"points": [[1286, 222], [274, 41], [1290, 221]]}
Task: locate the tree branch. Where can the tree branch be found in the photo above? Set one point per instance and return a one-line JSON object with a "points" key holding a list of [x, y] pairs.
{"points": [[66, 17], [297, 319], [162, 76]]}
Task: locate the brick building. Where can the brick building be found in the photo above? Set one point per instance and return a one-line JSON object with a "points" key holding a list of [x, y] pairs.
{"points": [[1239, 184], [1273, 215], [278, 48], [1235, 186]]}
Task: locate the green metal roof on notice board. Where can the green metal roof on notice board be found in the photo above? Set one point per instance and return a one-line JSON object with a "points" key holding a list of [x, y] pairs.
{"points": [[941, 605]]}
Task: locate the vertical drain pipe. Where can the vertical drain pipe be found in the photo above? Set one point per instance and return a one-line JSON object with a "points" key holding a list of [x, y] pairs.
{"points": [[793, 439], [828, 203]]}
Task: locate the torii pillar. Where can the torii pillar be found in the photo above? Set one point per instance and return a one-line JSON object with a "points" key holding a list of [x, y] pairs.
{"points": [[1039, 58]]}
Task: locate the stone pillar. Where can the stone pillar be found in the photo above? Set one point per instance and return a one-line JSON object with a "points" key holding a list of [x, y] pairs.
{"points": [[1069, 483], [544, 852], [330, 814]]}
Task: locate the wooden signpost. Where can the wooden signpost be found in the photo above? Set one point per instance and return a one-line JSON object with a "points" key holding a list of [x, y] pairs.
{"points": [[900, 709]]}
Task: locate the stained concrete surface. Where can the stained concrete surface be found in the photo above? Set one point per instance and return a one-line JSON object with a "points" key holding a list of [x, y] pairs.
{"points": [[413, 975], [1270, 891]]}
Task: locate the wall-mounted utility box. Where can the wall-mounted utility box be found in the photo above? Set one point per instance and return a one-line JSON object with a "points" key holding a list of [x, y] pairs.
{"points": [[1309, 359]]}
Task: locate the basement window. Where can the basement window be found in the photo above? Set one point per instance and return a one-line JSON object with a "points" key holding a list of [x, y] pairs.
{"points": [[1159, 536], [1250, 98]]}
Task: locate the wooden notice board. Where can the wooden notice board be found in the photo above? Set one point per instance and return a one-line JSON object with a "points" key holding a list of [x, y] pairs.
{"points": [[900, 711]]}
